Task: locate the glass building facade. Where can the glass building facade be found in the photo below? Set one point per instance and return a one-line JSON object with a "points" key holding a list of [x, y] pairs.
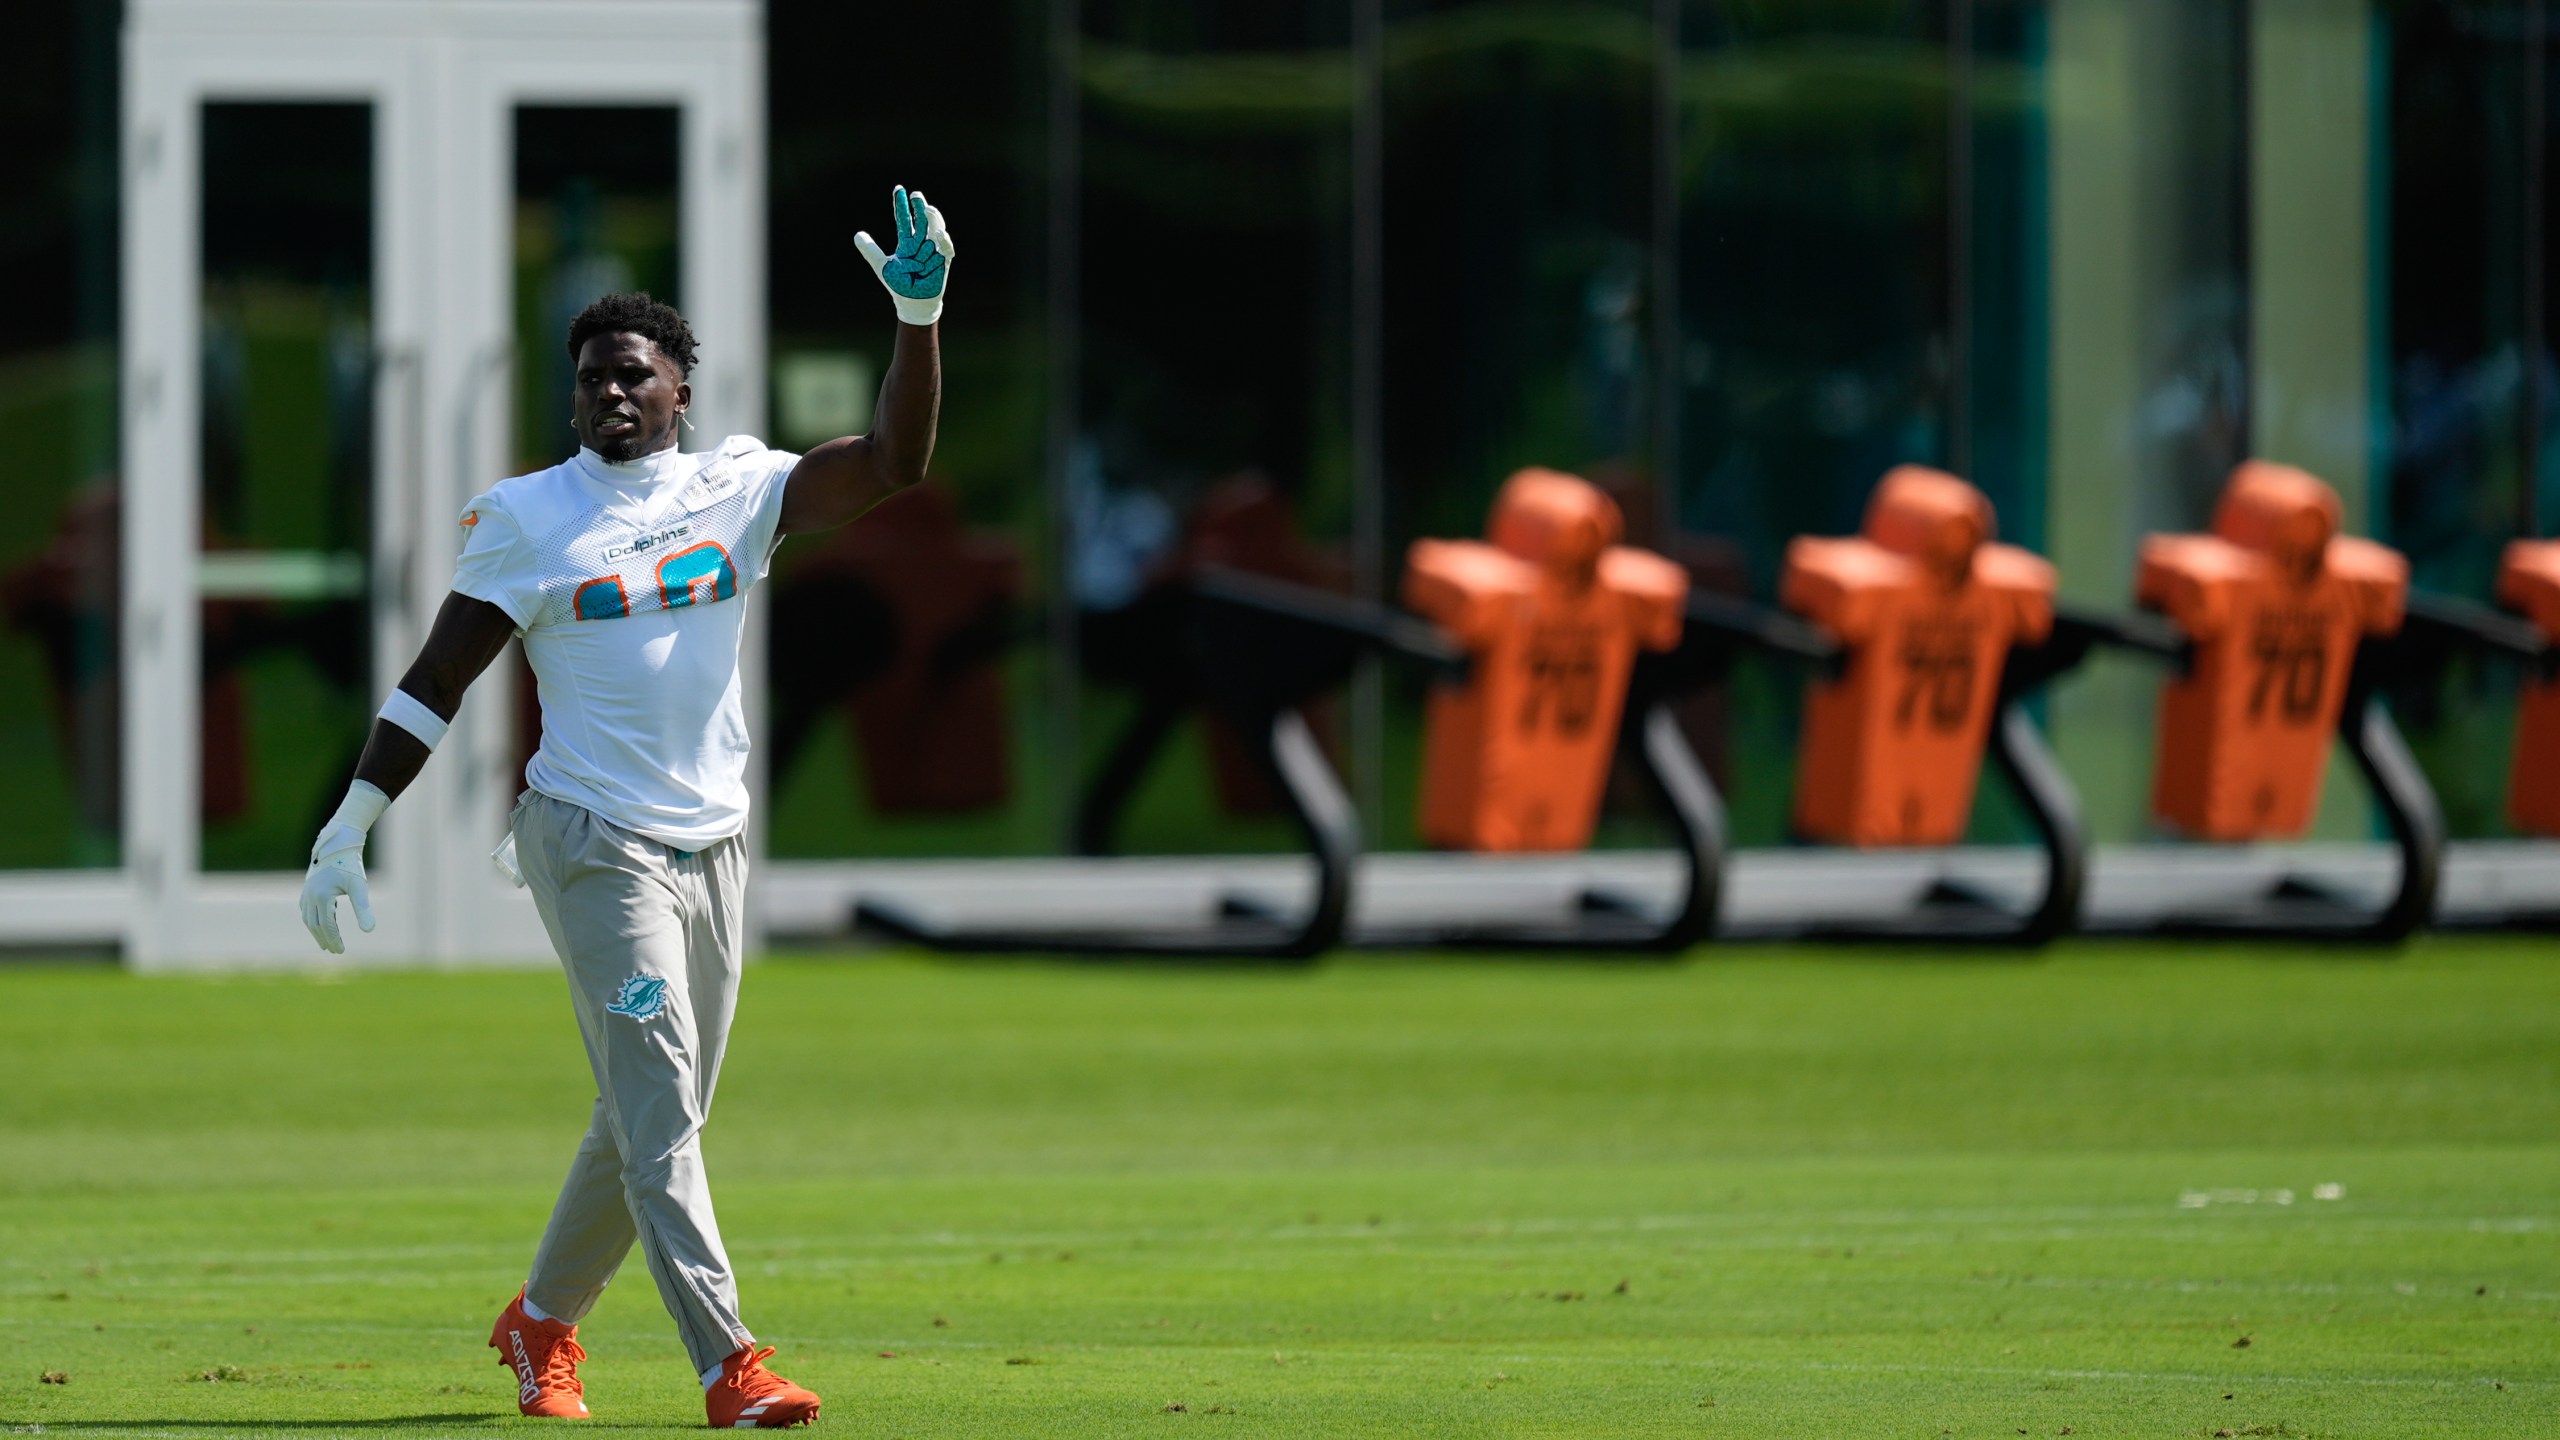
{"points": [[1287, 285]]}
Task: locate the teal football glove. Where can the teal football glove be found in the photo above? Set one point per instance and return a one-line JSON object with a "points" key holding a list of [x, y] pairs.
{"points": [[916, 272]]}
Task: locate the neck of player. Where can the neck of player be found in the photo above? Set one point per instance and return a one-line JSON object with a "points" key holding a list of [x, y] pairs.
{"points": [[655, 465]]}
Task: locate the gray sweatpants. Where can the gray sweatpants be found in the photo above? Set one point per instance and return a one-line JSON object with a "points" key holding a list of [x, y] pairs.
{"points": [[650, 937]]}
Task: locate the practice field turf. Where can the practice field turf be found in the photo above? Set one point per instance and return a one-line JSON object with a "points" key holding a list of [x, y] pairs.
{"points": [[1760, 1193]]}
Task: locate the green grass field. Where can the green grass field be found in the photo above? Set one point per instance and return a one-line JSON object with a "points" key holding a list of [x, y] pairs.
{"points": [[1760, 1193]]}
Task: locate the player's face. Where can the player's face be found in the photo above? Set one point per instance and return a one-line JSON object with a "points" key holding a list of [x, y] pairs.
{"points": [[627, 397]]}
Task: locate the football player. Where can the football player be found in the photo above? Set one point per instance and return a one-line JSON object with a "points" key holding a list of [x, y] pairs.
{"points": [[626, 572]]}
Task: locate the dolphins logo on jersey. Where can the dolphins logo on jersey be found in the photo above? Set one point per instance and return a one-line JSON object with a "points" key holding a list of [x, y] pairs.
{"points": [[641, 997]]}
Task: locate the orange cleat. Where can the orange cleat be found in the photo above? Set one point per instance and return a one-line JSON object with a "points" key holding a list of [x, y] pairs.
{"points": [[545, 1355], [750, 1397]]}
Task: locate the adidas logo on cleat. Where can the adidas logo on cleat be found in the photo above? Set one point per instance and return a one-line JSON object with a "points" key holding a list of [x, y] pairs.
{"points": [[747, 1396]]}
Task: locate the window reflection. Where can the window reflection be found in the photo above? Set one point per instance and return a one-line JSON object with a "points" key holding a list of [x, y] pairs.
{"points": [[59, 746], [910, 698], [2025, 239], [1213, 418], [2473, 456], [286, 469]]}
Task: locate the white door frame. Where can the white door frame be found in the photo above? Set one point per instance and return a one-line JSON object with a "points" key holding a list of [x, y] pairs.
{"points": [[444, 78]]}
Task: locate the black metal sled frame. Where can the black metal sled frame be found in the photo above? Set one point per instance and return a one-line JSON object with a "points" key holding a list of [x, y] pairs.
{"points": [[1255, 651], [1598, 919], [1721, 628], [2294, 904], [2438, 628]]}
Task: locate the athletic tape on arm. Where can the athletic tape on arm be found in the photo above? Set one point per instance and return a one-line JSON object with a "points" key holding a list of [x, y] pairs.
{"points": [[411, 714]]}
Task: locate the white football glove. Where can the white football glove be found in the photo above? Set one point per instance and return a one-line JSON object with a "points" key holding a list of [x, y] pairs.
{"points": [[337, 867], [921, 265]]}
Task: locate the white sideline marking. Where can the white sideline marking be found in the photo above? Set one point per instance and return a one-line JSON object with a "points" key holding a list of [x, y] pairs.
{"points": [[2413, 1382], [2453, 1290], [292, 1257], [2331, 1222], [962, 1255], [839, 1252]]}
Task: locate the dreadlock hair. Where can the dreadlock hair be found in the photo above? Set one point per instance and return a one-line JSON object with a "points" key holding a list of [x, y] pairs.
{"points": [[634, 313]]}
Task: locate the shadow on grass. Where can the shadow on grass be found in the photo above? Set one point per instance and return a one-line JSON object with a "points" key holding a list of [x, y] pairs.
{"points": [[482, 1420], [384, 1422]]}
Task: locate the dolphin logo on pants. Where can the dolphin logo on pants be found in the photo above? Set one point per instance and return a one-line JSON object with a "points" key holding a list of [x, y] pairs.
{"points": [[641, 998]]}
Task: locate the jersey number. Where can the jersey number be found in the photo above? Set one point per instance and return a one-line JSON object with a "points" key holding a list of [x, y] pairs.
{"points": [[2292, 655], [603, 599], [1937, 675], [696, 575], [1563, 662]]}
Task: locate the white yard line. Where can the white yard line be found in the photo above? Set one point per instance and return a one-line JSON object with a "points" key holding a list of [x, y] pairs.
{"points": [[2163, 1222]]}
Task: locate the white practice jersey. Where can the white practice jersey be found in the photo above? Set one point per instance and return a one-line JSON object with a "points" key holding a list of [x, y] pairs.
{"points": [[629, 585]]}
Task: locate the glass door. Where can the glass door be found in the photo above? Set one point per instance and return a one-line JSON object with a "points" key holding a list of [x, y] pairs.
{"points": [[285, 476], [274, 200]]}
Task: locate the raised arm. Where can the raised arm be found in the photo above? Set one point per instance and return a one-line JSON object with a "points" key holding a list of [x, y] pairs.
{"points": [[840, 479], [467, 635]]}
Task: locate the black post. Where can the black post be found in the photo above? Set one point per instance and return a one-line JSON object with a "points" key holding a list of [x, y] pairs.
{"points": [[1297, 765], [2408, 804], [1680, 785], [2037, 778], [1098, 811]]}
